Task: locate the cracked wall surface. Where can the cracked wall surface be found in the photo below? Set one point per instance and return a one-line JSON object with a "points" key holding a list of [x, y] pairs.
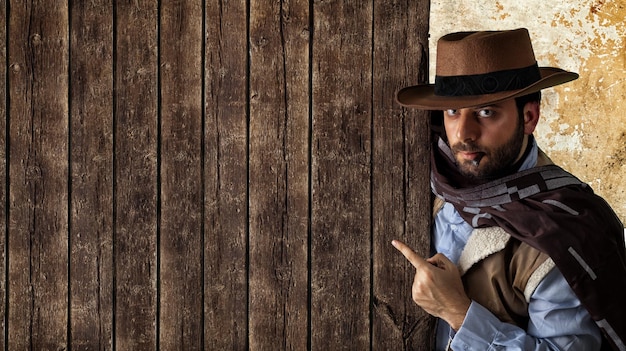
{"points": [[583, 124]]}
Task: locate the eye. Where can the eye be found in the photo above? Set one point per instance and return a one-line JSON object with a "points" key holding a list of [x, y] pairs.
{"points": [[485, 113], [451, 112]]}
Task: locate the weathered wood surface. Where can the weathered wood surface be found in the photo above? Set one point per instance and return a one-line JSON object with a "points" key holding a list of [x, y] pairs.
{"points": [[180, 235], [136, 175], [341, 237], [401, 204], [37, 128], [211, 175], [226, 176], [91, 178], [279, 175], [3, 178]]}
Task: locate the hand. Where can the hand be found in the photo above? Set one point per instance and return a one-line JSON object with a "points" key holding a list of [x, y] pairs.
{"points": [[437, 286]]}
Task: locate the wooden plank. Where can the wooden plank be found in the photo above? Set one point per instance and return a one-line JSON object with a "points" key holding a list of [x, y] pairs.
{"points": [[3, 175], [341, 174], [279, 183], [135, 184], [91, 154], [225, 174], [181, 253], [38, 170], [401, 173]]}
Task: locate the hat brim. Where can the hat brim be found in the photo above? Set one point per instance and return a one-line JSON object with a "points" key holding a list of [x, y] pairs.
{"points": [[423, 96]]}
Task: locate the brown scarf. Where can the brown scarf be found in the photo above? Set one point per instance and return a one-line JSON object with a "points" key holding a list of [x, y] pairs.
{"points": [[553, 211]]}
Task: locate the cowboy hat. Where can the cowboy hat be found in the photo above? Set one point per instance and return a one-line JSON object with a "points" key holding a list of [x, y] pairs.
{"points": [[482, 68]]}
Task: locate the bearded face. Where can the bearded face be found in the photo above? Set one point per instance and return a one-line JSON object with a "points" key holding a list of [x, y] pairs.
{"points": [[489, 162], [486, 140]]}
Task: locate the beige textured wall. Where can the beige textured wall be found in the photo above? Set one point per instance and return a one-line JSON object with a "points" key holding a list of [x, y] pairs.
{"points": [[583, 125]]}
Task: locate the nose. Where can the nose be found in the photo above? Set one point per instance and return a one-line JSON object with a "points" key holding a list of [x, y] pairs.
{"points": [[467, 127]]}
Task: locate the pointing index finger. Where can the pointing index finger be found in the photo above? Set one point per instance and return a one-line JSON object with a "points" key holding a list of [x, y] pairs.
{"points": [[410, 255]]}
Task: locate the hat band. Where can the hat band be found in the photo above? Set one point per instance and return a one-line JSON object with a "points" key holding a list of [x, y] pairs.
{"points": [[487, 83]]}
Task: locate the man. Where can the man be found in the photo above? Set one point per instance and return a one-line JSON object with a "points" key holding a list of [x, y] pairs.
{"points": [[526, 256]]}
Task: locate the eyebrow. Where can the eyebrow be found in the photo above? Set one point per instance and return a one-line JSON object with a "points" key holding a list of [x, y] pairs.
{"points": [[487, 106], [477, 108], [495, 105]]}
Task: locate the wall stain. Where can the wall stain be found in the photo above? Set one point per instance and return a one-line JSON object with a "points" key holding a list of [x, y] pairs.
{"points": [[597, 98]]}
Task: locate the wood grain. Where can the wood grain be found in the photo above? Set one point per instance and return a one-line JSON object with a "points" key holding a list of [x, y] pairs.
{"points": [[91, 182], [4, 185], [38, 173], [279, 174], [226, 176], [211, 175], [401, 205], [181, 194], [135, 172], [341, 244]]}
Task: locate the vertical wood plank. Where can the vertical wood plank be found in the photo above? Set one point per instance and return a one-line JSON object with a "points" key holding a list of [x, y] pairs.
{"points": [[225, 174], [181, 252], [135, 185], [279, 137], [418, 326], [38, 214], [91, 159], [341, 174], [401, 173], [3, 173]]}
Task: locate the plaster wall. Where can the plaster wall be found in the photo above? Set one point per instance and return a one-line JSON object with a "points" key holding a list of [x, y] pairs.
{"points": [[583, 123]]}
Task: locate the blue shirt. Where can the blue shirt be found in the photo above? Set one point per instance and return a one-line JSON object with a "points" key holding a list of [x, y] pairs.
{"points": [[558, 321]]}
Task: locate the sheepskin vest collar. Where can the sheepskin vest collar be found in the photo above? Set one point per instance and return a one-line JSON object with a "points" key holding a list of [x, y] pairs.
{"points": [[501, 273]]}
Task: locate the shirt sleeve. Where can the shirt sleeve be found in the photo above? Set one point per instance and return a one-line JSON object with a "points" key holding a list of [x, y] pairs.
{"points": [[558, 321]]}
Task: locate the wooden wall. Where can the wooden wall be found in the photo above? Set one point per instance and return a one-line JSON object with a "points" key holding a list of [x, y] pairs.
{"points": [[217, 174]]}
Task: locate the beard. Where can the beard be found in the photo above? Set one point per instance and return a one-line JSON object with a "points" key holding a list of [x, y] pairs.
{"points": [[491, 163]]}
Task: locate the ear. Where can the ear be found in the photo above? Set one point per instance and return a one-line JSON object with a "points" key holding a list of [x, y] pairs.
{"points": [[531, 117]]}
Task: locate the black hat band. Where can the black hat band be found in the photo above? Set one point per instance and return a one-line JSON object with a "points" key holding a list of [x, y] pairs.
{"points": [[488, 83]]}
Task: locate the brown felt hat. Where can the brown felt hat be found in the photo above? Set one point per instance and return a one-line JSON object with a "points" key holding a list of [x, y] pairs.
{"points": [[481, 68]]}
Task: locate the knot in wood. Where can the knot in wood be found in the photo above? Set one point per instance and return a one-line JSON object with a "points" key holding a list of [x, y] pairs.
{"points": [[283, 273]]}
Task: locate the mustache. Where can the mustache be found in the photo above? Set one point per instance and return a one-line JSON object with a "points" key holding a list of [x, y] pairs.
{"points": [[466, 147]]}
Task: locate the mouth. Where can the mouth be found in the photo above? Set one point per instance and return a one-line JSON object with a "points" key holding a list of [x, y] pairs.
{"points": [[471, 157]]}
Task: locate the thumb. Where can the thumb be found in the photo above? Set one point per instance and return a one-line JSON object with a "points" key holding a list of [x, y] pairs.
{"points": [[441, 261]]}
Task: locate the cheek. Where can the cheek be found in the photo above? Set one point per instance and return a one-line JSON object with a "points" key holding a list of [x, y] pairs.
{"points": [[449, 130], [502, 133]]}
